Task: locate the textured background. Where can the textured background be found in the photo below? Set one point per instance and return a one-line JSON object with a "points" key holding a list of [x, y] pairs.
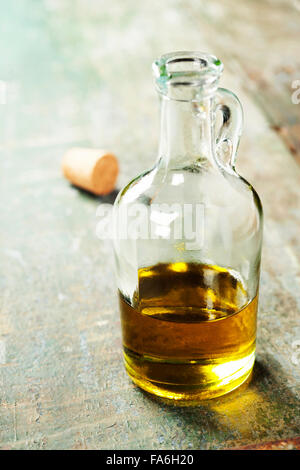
{"points": [[78, 72]]}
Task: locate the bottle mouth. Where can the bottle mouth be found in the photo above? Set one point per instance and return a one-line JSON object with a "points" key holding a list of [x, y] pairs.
{"points": [[187, 75]]}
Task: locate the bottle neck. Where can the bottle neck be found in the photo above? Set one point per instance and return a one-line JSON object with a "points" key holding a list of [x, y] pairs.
{"points": [[186, 132]]}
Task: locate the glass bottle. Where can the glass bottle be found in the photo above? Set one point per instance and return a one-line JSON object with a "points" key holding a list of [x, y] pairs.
{"points": [[187, 243]]}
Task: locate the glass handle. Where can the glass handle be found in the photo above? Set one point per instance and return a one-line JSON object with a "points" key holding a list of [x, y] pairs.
{"points": [[228, 137]]}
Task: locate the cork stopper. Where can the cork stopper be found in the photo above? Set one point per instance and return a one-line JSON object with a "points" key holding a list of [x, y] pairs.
{"points": [[94, 170]]}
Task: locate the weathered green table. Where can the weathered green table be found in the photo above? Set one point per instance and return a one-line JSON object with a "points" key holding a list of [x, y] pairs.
{"points": [[78, 73]]}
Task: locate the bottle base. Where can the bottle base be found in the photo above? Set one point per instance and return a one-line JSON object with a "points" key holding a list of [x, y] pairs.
{"points": [[199, 380]]}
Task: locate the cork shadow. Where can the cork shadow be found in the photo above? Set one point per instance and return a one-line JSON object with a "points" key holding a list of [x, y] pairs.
{"points": [[107, 199]]}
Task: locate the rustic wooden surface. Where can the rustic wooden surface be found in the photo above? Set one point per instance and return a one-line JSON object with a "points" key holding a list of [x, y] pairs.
{"points": [[79, 73]]}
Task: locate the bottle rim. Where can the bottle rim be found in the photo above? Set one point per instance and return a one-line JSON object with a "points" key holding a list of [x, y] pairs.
{"points": [[198, 70]]}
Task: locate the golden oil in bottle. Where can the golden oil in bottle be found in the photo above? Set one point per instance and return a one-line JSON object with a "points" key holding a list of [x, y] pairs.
{"points": [[191, 331]]}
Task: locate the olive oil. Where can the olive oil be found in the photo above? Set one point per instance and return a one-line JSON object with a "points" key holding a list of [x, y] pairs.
{"points": [[190, 331]]}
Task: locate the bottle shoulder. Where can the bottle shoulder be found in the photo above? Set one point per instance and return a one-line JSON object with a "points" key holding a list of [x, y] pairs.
{"points": [[254, 195], [137, 188], [191, 185]]}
